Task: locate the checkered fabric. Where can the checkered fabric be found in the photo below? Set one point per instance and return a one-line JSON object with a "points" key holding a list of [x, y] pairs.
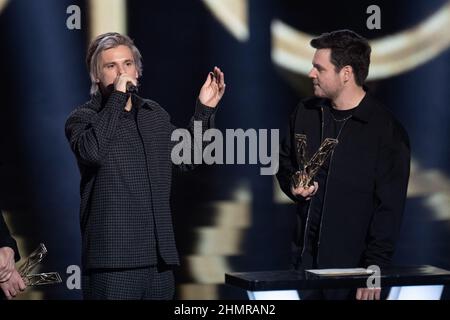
{"points": [[128, 284], [126, 177]]}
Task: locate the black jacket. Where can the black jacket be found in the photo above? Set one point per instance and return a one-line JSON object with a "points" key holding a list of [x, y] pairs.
{"points": [[6, 240], [113, 235], [366, 185]]}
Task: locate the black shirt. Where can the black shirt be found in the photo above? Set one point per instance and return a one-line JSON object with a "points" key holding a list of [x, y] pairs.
{"points": [[333, 124], [135, 179]]}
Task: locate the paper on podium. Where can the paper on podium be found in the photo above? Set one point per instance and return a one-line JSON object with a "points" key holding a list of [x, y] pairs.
{"points": [[341, 272]]}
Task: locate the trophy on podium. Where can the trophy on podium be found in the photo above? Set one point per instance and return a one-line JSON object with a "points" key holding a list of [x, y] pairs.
{"points": [[38, 278], [309, 168]]}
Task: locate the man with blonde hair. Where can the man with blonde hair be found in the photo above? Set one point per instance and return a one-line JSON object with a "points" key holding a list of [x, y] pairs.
{"points": [[122, 144]]}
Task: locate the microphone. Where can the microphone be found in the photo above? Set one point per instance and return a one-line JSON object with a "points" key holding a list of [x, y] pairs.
{"points": [[131, 88]]}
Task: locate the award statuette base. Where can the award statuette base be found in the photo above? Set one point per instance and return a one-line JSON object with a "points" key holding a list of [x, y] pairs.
{"points": [[42, 278], [301, 179]]}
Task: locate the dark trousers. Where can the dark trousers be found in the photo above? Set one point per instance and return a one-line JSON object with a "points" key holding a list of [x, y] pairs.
{"points": [[148, 283]]}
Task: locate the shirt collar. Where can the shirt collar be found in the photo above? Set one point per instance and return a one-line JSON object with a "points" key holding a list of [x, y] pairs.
{"points": [[98, 102], [363, 110]]}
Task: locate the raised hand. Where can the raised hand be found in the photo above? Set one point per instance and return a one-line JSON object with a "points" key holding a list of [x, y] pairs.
{"points": [[213, 88]]}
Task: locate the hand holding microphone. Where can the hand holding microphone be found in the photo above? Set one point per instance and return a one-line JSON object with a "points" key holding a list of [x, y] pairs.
{"points": [[125, 84], [131, 88]]}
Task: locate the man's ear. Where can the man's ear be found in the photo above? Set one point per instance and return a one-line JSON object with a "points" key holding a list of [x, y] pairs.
{"points": [[347, 73]]}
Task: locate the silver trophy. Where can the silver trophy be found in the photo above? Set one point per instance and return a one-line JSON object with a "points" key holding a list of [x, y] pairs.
{"points": [[308, 168], [38, 278]]}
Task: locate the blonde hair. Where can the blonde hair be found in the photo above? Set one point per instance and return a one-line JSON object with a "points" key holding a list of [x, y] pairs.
{"points": [[104, 42]]}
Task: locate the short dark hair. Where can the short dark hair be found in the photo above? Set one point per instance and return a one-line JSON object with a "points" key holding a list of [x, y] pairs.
{"points": [[347, 49]]}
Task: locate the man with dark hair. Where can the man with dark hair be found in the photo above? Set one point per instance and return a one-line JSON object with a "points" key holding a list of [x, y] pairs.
{"points": [[347, 49], [123, 145], [11, 282], [351, 215]]}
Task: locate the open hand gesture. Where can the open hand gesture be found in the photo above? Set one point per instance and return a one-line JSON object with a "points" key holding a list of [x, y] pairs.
{"points": [[213, 88]]}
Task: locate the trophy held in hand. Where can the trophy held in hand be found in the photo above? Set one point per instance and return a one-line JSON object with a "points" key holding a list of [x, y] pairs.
{"points": [[308, 168], [39, 278]]}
